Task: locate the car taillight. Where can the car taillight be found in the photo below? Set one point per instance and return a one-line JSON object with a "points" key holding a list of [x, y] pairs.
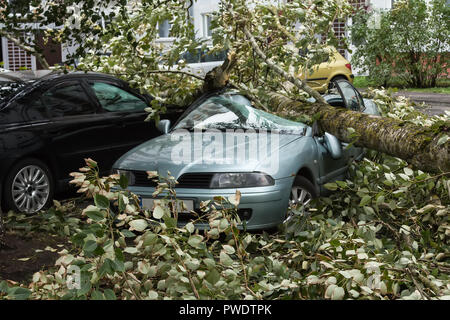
{"points": [[349, 66]]}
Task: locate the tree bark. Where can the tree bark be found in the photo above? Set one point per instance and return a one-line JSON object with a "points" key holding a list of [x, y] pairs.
{"points": [[420, 146]]}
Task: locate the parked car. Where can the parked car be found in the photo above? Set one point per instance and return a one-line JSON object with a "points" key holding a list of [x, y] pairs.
{"points": [[297, 163], [49, 124], [198, 62], [333, 68]]}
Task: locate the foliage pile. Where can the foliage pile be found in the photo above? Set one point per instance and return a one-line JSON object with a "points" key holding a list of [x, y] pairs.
{"points": [[383, 235]]}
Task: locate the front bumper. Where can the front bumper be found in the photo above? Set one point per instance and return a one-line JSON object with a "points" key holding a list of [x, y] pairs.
{"points": [[268, 205]]}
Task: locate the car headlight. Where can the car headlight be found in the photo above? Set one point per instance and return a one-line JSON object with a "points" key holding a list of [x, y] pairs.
{"points": [[128, 174], [241, 180]]}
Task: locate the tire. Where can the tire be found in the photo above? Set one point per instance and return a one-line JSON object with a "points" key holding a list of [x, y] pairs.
{"points": [[29, 186], [304, 191], [335, 79]]}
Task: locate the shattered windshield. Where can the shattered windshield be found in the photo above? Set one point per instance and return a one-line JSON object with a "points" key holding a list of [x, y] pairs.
{"points": [[231, 111]]}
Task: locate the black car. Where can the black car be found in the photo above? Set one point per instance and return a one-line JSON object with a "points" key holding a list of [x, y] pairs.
{"points": [[49, 125]]}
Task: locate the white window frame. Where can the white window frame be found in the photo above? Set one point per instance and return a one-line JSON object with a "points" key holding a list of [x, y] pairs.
{"points": [[205, 28]]}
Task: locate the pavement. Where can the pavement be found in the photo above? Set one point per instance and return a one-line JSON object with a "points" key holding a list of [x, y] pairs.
{"points": [[438, 102]]}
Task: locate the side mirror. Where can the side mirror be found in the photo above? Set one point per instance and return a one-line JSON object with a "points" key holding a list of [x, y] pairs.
{"points": [[333, 145], [163, 126]]}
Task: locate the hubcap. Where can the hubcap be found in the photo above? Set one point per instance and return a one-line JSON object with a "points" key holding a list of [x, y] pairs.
{"points": [[299, 197], [30, 189]]}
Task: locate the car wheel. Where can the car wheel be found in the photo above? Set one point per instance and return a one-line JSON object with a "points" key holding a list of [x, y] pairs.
{"points": [[28, 187], [334, 80], [302, 192]]}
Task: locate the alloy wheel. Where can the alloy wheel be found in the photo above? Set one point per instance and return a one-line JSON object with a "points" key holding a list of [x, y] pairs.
{"points": [[299, 197], [30, 189]]}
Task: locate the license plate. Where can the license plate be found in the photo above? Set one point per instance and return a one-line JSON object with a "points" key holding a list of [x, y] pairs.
{"points": [[183, 206]]}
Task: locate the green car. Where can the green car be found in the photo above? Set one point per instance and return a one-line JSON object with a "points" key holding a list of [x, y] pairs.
{"points": [[222, 144]]}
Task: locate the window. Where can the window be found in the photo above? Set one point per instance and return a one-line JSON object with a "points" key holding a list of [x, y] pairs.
{"points": [[33, 108], [352, 98], [164, 29], [67, 99], [114, 99], [207, 25]]}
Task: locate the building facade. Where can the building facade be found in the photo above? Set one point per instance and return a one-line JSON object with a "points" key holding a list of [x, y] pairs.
{"points": [[15, 58]]}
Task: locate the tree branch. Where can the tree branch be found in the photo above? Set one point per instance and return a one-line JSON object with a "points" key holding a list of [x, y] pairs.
{"points": [[296, 81]]}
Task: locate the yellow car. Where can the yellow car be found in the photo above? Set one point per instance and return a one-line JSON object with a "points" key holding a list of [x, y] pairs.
{"points": [[334, 68]]}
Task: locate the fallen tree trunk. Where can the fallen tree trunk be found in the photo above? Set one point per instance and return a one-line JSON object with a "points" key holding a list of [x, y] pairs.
{"points": [[420, 146], [423, 147]]}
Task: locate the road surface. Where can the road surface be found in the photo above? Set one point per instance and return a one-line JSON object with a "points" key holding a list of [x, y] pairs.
{"points": [[438, 102]]}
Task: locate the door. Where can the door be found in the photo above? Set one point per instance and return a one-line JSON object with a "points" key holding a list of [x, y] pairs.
{"points": [[353, 101], [125, 111], [76, 130], [333, 169]]}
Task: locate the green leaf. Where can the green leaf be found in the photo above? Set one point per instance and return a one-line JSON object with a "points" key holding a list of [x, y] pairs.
{"points": [[110, 295], [122, 204], [101, 201], [90, 246], [138, 225], [127, 233], [213, 276], [195, 241], [443, 139], [331, 186], [123, 181], [158, 212], [369, 210], [338, 293], [95, 215], [365, 200], [97, 295], [225, 259], [19, 293]]}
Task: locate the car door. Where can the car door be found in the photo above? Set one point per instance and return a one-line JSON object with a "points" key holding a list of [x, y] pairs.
{"points": [[76, 130], [125, 110], [330, 169], [333, 169], [353, 101]]}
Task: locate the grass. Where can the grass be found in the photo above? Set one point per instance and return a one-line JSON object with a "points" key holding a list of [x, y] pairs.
{"points": [[442, 86]]}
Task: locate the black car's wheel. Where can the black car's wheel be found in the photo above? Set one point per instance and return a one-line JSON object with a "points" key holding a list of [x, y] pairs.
{"points": [[302, 192], [28, 186], [333, 81]]}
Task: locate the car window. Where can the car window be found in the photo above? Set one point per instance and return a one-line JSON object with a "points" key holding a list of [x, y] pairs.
{"points": [[234, 112], [351, 97], [67, 99], [33, 107], [114, 99]]}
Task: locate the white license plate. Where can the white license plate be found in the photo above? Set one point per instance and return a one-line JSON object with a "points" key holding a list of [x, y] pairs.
{"points": [[151, 203]]}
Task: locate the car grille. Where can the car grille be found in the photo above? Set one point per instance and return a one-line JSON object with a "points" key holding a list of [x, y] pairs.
{"points": [[187, 180]]}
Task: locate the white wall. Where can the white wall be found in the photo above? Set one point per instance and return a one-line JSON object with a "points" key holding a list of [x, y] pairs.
{"points": [[200, 8]]}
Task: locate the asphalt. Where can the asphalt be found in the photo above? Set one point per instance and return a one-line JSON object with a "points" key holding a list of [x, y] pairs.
{"points": [[438, 102]]}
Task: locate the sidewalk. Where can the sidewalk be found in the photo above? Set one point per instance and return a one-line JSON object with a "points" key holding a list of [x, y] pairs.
{"points": [[438, 102]]}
